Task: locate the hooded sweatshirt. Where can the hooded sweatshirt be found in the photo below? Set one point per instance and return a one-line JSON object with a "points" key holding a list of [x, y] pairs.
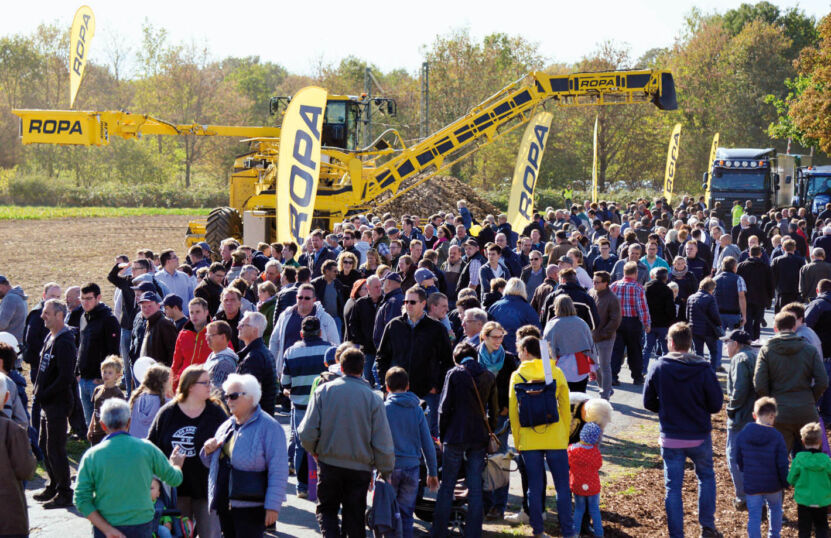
{"points": [[763, 459], [410, 432], [790, 370], [810, 477], [684, 391], [144, 409], [13, 312]]}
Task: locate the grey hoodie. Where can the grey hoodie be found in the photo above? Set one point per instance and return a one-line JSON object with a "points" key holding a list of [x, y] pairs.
{"points": [[145, 408], [13, 313]]}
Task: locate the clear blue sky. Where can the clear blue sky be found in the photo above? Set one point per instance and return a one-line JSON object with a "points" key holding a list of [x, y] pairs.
{"points": [[299, 35]]}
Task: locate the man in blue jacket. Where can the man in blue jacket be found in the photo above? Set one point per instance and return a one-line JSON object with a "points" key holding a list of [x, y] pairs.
{"points": [[705, 321], [684, 391]]}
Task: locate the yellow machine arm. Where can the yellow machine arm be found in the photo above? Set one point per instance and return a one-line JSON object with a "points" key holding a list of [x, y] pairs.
{"points": [[510, 108], [70, 127]]}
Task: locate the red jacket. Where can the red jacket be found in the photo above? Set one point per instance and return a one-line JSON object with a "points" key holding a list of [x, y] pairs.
{"points": [[583, 466], [191, 348]]}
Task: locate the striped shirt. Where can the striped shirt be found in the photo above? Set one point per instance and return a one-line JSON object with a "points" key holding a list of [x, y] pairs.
{"points": [[303, 363], [632, 300]]}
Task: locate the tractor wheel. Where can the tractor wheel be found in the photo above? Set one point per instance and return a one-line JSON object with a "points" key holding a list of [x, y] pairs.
{"points": [[223, 222]]}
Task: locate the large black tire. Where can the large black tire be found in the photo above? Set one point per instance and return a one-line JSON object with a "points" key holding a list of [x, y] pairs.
{"points": [[223, 222]]}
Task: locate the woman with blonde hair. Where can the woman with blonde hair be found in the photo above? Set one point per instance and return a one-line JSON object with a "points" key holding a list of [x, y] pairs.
{"points": [[348, 272], [187, 421], [373, 260]]}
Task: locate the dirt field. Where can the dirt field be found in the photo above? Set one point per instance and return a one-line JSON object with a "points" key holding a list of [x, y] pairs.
{"points": [[80, 250]]}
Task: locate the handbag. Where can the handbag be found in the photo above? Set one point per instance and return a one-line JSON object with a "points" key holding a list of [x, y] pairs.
{"points": [[247, 485], [497, 472], [494, 445], [537, 401]]}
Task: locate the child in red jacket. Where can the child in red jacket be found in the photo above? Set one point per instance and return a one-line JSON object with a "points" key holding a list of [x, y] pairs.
{"points": [[584, 462]]}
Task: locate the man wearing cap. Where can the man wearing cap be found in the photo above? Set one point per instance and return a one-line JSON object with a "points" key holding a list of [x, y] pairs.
{"points": [[100, 338], [811, 274], [159, 336], [427, 280], [303, 362], [390, 307], [172, 305], [178, 282], [740, 399], [12, 309]]}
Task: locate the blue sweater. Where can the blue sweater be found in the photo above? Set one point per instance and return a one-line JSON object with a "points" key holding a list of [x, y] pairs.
{"points": [[762, 458], [684, 391], [410, 432]]}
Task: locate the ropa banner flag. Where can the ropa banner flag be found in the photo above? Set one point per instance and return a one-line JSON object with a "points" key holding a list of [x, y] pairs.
{"points": [[713, 149], [83, 28], [298, 170], [594, 164], [526, 170], [672, 161]]}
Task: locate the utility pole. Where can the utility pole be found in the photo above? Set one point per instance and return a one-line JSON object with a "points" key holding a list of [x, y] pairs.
{"points": [[368, 107], [425, 101]]}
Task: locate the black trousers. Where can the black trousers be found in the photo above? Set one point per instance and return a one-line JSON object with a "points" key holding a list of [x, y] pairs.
{"points": [[755, 315], [336, 487], [784, 298], [242, 522], [52, 440], [809, 517], [629, 337]]}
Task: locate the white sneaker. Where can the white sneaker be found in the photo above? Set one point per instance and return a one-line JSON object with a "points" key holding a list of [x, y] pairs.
{"points": [[519, 518]]}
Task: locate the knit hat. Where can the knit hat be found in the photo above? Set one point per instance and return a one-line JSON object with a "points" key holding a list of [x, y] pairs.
{"points": [[590, 434]]}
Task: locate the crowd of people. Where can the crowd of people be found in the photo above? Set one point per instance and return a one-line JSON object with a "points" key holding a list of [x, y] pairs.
{"points": [[404, 352]]}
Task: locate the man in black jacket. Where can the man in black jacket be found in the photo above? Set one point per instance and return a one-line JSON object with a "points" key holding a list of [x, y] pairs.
{"points": [[256, 359], [360, 322], [421, 346], [786, 275], [661, 303], [329, 291], [210, 288], [758, 277], [100, 338], [34, 331], [321, 254], [53, 391], [122, 279], [583, 302], [158, 339]]}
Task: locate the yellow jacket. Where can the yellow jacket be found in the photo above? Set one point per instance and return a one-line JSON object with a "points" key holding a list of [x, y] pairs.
{"points": [[550, 437]]}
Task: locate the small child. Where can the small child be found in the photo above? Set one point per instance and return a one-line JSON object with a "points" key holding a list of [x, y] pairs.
{"points": [[111, 369], [762, 458], [412, 439], [584, 462], [164, 527], [810, 477]]}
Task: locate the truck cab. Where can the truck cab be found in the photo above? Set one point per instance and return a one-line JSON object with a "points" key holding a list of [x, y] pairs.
{"points": [[742, 174], [814, 187]]}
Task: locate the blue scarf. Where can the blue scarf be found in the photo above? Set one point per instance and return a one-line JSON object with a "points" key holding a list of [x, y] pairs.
{"points": [[492, 361]]}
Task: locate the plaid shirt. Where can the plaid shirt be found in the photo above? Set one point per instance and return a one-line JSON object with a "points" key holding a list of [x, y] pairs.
{"points": [[632, 300]]}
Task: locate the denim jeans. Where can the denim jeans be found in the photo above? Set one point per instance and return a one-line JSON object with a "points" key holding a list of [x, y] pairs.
{"points": [[405, 484], [754, 514], [87, 387], [145, 530], [728, 323], [535, 467], [702, 458], [432, 401], [655, 338], [499, 498], [732, 451], [301, 467], [590, 503], [629, 337], [473, 459], [713, 345], [369, 369], [163, 532]]}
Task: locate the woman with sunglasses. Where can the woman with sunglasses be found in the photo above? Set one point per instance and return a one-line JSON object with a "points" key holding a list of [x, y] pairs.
{"points": [[348, 273], [248, 463], [187, 421]]}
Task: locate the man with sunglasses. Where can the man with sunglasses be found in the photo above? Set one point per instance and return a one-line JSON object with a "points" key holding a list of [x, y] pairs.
{"points": [[533, 274], [421, 346]]}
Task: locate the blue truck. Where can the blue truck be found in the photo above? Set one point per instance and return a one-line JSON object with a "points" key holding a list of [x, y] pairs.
{"points": [[813, 188]]}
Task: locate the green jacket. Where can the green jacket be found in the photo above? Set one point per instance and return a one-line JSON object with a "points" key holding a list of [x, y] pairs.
{"points": [[122, 499], [740, 392], [790, 370], [810, 476], [737, 213]]}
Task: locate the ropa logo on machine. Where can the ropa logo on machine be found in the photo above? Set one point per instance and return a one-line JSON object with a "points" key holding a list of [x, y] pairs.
{"points": [[55, 127], [606, 83]]}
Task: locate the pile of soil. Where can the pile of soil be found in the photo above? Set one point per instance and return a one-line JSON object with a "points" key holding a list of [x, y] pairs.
{"points": [[635, 505], [439, 193]]}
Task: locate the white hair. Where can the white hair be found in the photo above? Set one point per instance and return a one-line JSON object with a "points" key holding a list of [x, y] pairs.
{"points": [[372, 279], [274, 263], [477, 314], [4, 387], [826, 230], [248, 268], [115, 414], [818, 252], [250, 385], [256, 320], [516, 286]]}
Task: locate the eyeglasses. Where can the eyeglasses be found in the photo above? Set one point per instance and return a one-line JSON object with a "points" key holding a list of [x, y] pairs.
{"points": [[304, 298], [496, 336], [234, 395], [410, 302], [597, 282], [347, 262]]}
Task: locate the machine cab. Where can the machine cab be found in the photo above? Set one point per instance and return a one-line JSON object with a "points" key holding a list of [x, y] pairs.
{"points": [[340, 123]]}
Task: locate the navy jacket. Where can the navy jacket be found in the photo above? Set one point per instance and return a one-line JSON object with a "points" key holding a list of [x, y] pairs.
{"points": [[256, 359], [702, 314], [684, 391], [460, 417], [763, 459], [390, 309]]}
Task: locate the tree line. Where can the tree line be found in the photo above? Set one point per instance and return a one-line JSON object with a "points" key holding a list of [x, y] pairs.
{"points": [[756, 74]]}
